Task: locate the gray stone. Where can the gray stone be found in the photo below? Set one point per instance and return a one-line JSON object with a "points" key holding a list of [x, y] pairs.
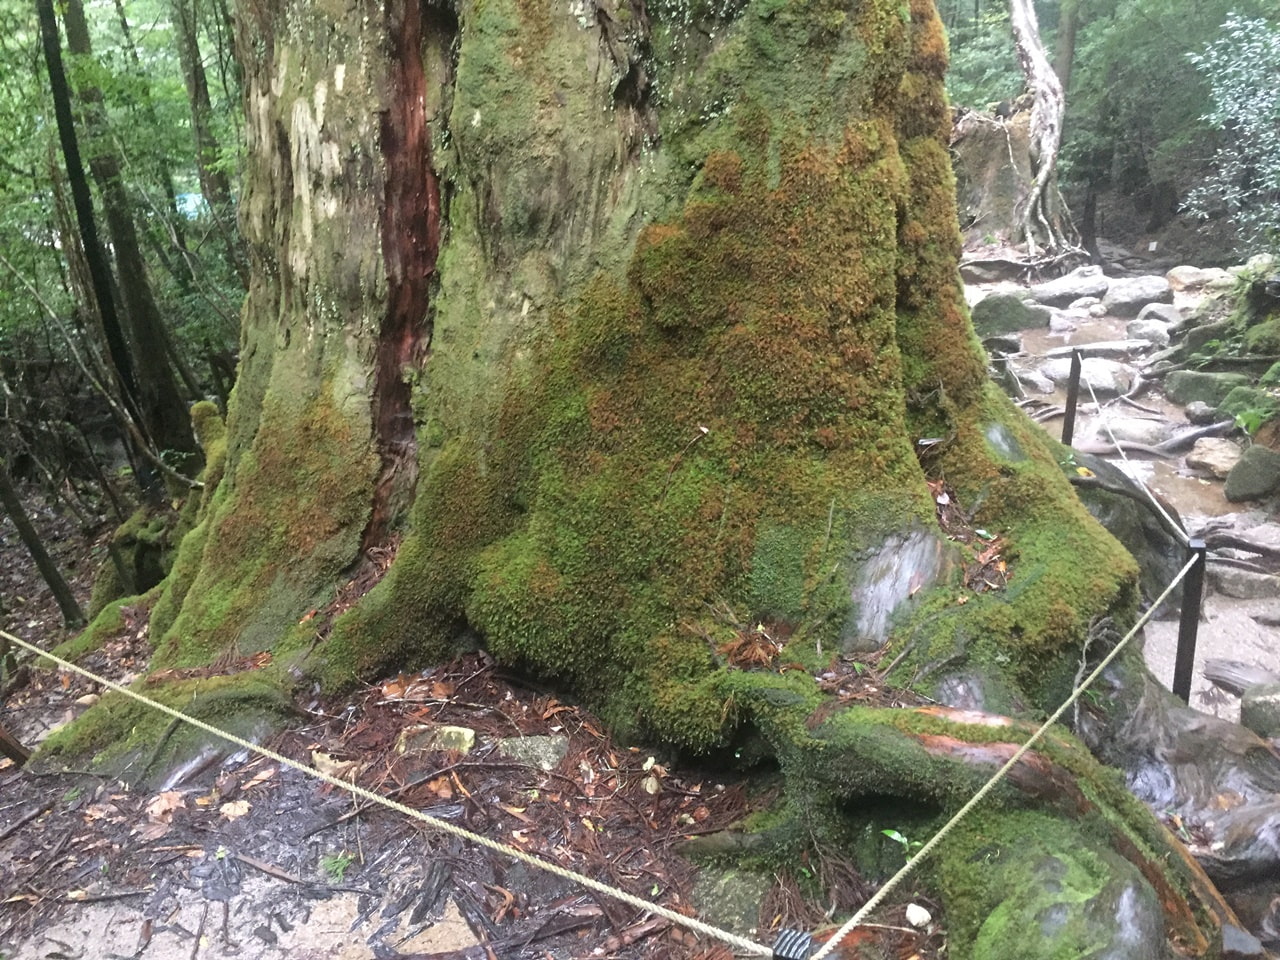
{"points": [[1082, 282], [1108, 377], [543, 752], [730, 897], [1256, 475], [1007, 313], [1062, 322], [1231, 581], [1150, 329], [1260, 709], [1127, 297], [1166, 313], [1002, 344], [1200, 413], [1184, 386], [1033, 379], [1194, 278], [1097, 311], [1111, 349], [1194, 339], [1214, 455], [1084, 303], [1135, 430]]}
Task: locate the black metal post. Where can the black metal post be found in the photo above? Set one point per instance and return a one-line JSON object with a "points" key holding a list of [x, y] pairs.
{"points": [[1192, 592], [1073, 394]]}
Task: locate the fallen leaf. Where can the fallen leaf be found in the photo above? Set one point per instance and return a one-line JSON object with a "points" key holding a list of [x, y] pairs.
{"points": [[262, 776], [235, 809], [333, 767]]}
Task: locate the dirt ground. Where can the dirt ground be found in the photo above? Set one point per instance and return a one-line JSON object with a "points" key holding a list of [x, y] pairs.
{"points": [[238, 856]]}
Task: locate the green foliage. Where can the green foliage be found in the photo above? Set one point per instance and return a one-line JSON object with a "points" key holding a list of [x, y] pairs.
{"points": [[984, 67], [1242, 67]]}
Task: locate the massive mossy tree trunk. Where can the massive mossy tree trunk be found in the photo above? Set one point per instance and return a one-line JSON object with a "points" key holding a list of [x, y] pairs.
{"points": [[618, 328]]}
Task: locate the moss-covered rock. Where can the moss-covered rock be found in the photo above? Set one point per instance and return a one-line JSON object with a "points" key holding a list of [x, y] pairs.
{"points": [[1007, 313], [1186, 386]]}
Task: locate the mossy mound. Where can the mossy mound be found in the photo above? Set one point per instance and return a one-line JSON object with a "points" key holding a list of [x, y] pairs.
{"points": [[121, 737]]}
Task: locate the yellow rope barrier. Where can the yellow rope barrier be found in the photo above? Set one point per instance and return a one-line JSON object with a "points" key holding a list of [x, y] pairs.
{"points": [[999, 775], [691, 923]]}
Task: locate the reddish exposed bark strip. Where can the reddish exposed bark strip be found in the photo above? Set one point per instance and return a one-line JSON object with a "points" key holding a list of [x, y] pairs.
{"points": [[410, 245]]}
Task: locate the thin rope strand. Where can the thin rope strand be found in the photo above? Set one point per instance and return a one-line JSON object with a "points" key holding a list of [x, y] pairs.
{"points": [[741, 943], [999, 775], [1106, 422]]}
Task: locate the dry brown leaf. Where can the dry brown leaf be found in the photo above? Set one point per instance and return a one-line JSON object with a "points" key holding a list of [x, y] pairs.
{"points": [[235, 809]]}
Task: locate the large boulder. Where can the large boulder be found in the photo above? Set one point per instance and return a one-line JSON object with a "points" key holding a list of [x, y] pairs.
{"points": [[1195, 278], [1109, 378], [1081, 282], [1184, 386], [1127, 297], [1214, 455], [1007, 313], [1260, 709], [1257, 475]]}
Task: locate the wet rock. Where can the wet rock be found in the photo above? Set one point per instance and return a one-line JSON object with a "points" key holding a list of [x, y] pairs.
{"points": [[1118, 503], [1196, 338], [1127, 297], [1238, 944], [1085, 281], [1110, 349], [730, 897], [1151, 329], [1082, 903], [1166, 313], [1195, 278], [1062, 322], [426, 737], [1200, 413], [545, 753], [1002, 344], [1108, 377], [1214, 455], [1007, 313], [1260, 709], [1184, 386], [1256, 475], [1243, 584], [1098, 311], [1034, 380], [1135, 430]]}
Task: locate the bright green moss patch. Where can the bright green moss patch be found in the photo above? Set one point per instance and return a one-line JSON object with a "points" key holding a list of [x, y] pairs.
{"points": [[273, 540]]}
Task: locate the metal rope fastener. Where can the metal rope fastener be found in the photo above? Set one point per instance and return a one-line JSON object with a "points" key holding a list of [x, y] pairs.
{"points": [[698, 926], [999, 775]]}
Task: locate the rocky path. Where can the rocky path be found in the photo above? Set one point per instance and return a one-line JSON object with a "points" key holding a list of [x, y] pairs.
{"points": [[1178, 433]]}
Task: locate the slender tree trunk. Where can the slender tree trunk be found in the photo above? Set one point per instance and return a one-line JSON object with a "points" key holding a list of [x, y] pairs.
{"points": [[181, 269], [162, 407], [72, 615], [1039, 212], [95, 259], [214, 183], [1064, 51]]}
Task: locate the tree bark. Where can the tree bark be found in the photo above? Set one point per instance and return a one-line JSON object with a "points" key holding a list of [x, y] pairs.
{"points": [[1064, 52], [72, 615], [214, 183], [1039, 213]]}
